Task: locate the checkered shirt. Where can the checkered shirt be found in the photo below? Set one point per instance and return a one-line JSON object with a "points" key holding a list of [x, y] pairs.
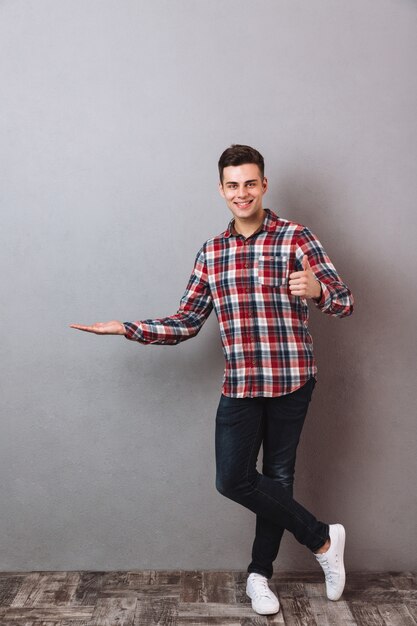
{"points": [[263, 327]]}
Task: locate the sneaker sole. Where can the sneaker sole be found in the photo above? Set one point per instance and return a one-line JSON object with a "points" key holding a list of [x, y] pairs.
{"points": [[342, 540]]}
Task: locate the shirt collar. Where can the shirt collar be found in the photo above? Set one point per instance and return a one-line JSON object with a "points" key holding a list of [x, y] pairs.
{"points": [[269, 223]]}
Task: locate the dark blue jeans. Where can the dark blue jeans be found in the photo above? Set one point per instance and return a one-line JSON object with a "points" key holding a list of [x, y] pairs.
{"points": [[242, 424]]}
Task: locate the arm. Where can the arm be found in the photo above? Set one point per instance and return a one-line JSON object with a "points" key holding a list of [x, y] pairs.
{"points": [[195, 307], [335, 298]]}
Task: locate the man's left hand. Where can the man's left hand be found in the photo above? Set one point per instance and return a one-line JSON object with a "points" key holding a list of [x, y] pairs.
{"points": [[305, 284]]}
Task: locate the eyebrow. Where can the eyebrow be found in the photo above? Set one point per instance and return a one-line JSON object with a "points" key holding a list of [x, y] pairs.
{"points": [[232, 182]]}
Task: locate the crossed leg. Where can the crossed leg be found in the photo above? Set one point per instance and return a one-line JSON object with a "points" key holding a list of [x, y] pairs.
{"points": [[283, 420]]}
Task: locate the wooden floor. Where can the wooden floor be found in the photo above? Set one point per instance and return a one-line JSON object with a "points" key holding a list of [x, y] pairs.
{"points": [[130, 598]]}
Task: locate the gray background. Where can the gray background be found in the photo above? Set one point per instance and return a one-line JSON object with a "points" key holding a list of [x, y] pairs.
{"points": [[113, 116]]}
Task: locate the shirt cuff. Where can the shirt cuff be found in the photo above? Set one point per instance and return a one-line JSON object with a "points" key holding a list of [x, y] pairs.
{"points": [[133, 331]]}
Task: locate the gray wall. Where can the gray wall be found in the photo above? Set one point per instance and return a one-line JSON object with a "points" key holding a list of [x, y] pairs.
{"points": [[113, 116]]}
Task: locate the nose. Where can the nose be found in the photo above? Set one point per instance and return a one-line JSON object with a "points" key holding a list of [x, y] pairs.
{"points": [[242, 193]]}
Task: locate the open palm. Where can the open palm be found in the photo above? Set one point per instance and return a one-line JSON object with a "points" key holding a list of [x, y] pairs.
{"points": [[102, 328]]}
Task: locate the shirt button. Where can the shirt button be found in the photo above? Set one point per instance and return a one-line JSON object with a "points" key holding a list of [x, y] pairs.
{"points": [[246, 264]]}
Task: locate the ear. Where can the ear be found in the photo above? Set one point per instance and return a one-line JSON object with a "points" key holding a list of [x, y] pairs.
{"points": [[264, 185], [221, 191]]}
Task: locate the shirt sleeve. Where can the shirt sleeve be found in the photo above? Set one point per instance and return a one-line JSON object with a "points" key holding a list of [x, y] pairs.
{"points": [[195, 307], [336, 298]]}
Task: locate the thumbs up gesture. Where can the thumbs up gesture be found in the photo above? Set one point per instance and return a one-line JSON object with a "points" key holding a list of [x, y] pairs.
{"points": [[305, 284]]}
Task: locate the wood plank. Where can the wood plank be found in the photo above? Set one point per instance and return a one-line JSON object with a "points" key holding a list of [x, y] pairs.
{"points": [[366, 614], [213, 621], [278, 618], [9, 586], [218, 587], [404, 580], [114, 578], [240, 579], [28, 585], [213, 609], [412, 609], [155, 583], [138, 578], [111, 611], [297, 612], [191, 586], [47, 613], [24, 623], [295, 605], [167, 577], [371, 587], [56, 589], [356, 580], [142, 591], [46, 589], [88, 588], [299, 577], [396, 615], [256, 620], [328, 613], [407, 596], [315, 590], [156, 612], [324, 610]]}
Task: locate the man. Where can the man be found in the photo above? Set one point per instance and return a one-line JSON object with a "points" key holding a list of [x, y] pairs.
{"points": [[258, 275]]}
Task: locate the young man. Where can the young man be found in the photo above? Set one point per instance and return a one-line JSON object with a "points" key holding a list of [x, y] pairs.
{"points": [[258, 275]]}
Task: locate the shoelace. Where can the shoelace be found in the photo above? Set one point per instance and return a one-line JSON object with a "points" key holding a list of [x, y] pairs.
{"points": [[265, 591], [328, 573]]}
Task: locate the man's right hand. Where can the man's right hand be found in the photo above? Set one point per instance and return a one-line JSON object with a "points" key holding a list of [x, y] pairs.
{"points": [[103, 328]]}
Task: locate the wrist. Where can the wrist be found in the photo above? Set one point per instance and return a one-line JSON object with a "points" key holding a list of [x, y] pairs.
{"points": [[319, 291]]}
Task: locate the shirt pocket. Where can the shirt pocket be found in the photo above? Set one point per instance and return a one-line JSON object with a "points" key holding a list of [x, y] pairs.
{"points": [[272, 270]]}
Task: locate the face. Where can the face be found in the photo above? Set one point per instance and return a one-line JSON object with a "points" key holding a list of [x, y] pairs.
{"points": [[243, 190]]}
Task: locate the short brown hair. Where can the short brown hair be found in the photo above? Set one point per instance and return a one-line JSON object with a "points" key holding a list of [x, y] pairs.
{"points": [[239, 155]]}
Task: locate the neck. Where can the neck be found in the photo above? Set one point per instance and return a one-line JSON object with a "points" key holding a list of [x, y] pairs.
{"points": [[247, 227]]}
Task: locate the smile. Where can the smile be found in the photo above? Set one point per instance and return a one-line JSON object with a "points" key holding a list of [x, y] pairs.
{"points": [[244, 205]]}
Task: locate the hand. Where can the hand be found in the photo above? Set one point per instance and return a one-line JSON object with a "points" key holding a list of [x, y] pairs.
{"points": [[305, 283], [103, 328]]}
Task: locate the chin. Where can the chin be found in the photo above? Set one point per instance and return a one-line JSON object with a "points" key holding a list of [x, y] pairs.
{"points": [[243, 214]]}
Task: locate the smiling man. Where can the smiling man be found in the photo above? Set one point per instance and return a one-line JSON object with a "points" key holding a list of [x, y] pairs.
{"points": [[257, 275]]}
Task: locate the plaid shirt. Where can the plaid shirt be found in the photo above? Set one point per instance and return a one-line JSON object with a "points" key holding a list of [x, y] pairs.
{"points": [[263, 327]]}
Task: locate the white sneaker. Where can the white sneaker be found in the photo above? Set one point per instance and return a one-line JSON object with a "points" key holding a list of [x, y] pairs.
{"points": [[332, 562], [264, 601]]}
